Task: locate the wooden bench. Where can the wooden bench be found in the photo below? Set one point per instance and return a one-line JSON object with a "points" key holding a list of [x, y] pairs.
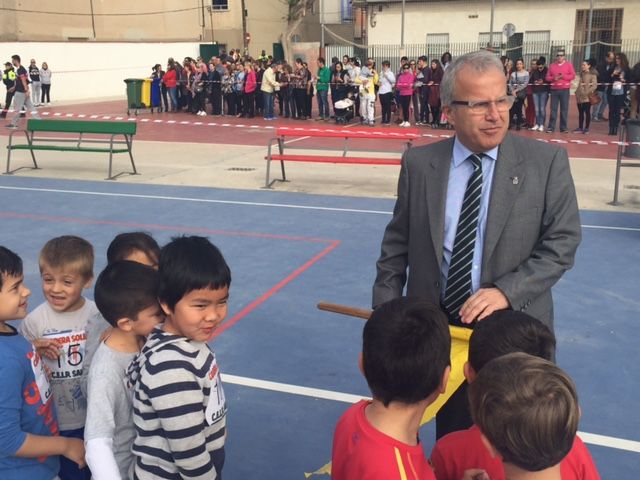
{"points": [[109, 144], [364, 133]]}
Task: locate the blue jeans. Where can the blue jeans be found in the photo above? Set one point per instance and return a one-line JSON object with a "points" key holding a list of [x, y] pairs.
{"points": [[268, 104], [540, 104], [173, 97], [69, 469], [323, 104], [598, 110], [561, 98]]}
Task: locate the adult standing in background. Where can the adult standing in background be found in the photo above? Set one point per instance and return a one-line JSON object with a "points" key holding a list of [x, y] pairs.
{"points": [[9, 79], [322, 90], [560, 75], [435, 79], [617, 91], [34, 78], [21, 97], [269, 87], [483, 221], [387, 82], [586, 86], [604, 79], [540, 90], [45, 83], [518, 82]]}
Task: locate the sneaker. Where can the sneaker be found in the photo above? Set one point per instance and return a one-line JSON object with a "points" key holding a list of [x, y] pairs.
{"points": [[11, 126], [585, 131], [203, 114], [550, 130], [564, 131], [534, 128], [577, 130]]}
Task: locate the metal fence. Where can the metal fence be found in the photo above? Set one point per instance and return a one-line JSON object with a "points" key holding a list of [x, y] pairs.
{"points": [[527, 50]]}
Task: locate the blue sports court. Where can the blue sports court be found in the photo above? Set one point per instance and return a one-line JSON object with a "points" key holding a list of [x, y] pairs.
{"points": [[290, 369]]}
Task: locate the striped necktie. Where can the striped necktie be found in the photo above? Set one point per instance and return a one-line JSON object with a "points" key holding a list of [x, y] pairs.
{"points": [[459, 276]]}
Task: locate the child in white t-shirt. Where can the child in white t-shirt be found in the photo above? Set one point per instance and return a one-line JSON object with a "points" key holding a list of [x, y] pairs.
{"points": [[57, 329]]}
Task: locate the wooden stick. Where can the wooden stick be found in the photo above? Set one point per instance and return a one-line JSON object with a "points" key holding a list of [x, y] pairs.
{"points": [[345, 310]]}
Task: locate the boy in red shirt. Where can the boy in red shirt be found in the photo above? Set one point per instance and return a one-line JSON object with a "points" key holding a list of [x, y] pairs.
{"points": [[527, 411], [405, 358], [499, 334]]}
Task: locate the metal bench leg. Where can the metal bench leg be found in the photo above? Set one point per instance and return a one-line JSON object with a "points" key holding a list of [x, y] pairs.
{"points": [[110, 177], [33, 156], [618, 167], [129, 139], [281, 150], [266, 182]]}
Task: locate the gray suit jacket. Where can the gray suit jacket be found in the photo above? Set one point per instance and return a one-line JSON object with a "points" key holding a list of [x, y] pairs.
{"points": [[532, 233]]}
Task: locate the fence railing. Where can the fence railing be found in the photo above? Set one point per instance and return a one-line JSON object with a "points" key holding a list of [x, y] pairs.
{"points": [[575, 52]]}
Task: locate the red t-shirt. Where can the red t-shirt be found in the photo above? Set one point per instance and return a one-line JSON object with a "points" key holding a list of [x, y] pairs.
{"points": [[361, 452], [460, 451]]}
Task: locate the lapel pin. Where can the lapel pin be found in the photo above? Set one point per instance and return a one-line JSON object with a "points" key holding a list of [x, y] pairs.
{"points": [[514, 180]]}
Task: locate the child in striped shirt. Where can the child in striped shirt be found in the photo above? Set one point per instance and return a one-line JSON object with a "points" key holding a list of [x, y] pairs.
{"points": [[179, 407]]}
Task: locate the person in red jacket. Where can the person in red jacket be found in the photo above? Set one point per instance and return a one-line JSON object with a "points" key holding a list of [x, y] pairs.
{"points": [[501, 333], [249, 91], [170, 81]]}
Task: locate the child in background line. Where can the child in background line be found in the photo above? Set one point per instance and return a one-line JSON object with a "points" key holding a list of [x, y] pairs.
{"points": [[134, 246], [179, 404], [501, 333], [58, 330], [527, 411], [126, 295], [29, 441], [405, 358]]}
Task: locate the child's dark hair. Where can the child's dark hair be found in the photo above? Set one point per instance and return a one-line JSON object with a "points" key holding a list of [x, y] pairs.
{"points": [[527, 408], [124, 289], [507, 331], [10, 264], [124, 244], [406, 347], [190, 263]]}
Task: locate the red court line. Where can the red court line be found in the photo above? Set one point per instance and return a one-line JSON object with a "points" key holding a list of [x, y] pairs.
{"points": [[153, 226], [273, 290]]}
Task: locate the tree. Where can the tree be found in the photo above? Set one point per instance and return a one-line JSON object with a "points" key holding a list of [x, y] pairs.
{"points": [[297, 11]]}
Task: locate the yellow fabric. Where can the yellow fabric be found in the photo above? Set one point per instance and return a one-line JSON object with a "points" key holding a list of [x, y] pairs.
{"points": [[459, 355]]}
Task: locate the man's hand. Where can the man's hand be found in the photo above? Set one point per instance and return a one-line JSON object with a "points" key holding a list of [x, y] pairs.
{"points": [[482, 304], [47, 348], [74, 451]]}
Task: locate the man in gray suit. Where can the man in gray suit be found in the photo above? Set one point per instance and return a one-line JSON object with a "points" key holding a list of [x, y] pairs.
{"points": [[484, 221]]}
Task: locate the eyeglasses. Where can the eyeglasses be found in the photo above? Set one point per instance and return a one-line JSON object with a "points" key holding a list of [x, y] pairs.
{"points": [[560, 55], [502, 104]]}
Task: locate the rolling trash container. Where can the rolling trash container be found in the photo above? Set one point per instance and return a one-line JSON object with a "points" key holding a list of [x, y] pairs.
{"points": [[138, 94]]}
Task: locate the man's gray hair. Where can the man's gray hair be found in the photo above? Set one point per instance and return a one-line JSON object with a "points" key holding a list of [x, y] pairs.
{"points": [[478, 62]]}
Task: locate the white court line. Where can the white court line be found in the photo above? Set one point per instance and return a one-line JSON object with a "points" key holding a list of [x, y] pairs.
{"points": [[252, 204], [591, 438]]}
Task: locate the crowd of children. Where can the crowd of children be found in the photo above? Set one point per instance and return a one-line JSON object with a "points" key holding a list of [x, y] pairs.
{"points": [[127, 387], [122, 388]]}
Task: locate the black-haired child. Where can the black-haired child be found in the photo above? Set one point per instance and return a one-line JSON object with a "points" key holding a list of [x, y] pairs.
{"points": [[126, 295], [406, 346], [179, 403]]}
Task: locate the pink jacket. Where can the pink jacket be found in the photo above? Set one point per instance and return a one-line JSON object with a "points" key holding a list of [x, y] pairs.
{"points": [[405, 83], [568, 74]]}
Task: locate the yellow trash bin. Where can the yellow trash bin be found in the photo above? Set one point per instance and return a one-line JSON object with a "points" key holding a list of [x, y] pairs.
{"points": [[146, 93]]}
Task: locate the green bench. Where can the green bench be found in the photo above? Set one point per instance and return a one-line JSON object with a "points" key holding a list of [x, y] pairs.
{"points": [[107, 144]]}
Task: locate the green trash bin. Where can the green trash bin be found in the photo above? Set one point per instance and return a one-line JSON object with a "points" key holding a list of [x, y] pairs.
{"points": [[633, 137], [134, 94]]}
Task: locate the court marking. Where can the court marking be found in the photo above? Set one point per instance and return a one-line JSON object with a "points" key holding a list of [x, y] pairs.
{"points": [[251, 204], [590, 438], [244, 311]]}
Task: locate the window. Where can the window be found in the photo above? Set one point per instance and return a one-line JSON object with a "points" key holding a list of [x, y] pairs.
{"points": [[220, 4], [606, 29], [346, 12], [536, 43], [437, 44]]}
